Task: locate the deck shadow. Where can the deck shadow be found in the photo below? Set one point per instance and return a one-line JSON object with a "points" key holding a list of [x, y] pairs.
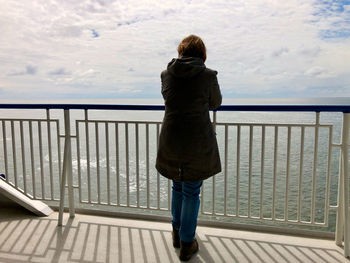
{"points": [[33, 239]]}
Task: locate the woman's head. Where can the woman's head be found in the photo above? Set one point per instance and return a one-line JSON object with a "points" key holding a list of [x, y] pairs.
{"points": [[192, 46]]}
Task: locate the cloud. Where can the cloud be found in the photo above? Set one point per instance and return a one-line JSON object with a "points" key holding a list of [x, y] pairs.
{"points": [[94, 33], [67, 31], [310, 51], [59, 71], [319, 72], [134, 21], [280, 52], [332, 17], [314, 71], [258, 47], [88, 73], [30, 70]]}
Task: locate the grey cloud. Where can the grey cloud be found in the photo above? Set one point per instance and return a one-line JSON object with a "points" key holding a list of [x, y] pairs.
{"points": [[59, 71], [95, 9], [169, 11], [102, 2], [68, 31], [134, 21], [98, 6], [310, 51], [30, 70], [280, 52], [143, 17], [95, 34]]}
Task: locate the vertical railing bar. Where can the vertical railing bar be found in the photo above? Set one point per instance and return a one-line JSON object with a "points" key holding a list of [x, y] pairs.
{"points": [[225, 169], [342, 231], [158, 177], [345, 168], [63, 177], [274, 173], [58, 150], [137, 164], [5, 149], [147, 165], [328, 182], [127, 162], [238, 167], [251, 130], [214, 177], [1, 121], [314, 170], [213, 195], [287, 174], [98, 163], [301, 171], [339, 231], [108, 165], [262, 170], [32, 160], [14, 153], [50, 150], [41, 160], [117, 161], [342, 225], [23, 159], [69, 165], [78, 157], [169, 187], [86, 117], [202, 198]]}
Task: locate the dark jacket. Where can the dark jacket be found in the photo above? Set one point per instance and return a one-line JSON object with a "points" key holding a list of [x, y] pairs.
{"points": [[188, 149]]}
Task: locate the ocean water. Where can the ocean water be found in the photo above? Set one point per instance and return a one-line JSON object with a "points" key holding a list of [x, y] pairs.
{"points": [[136, 168]]}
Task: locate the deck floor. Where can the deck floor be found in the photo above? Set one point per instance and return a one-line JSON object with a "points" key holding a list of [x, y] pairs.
{"points": [[27, 238]]}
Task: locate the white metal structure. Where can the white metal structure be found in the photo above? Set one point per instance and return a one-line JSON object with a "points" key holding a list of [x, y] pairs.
{"points": [[115, 160], [37, 207]]}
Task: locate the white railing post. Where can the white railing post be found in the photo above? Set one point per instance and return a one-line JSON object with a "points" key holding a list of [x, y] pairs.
{"points": [[214, 177], [343, 224], [345, 157], [66, 171]]}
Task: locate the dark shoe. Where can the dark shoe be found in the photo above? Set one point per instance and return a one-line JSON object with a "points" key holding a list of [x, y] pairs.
{"points": [[176, 238], [188, 249]]}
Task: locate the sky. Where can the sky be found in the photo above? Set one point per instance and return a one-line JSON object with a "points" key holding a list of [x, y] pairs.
{"points": [[101, 49]]}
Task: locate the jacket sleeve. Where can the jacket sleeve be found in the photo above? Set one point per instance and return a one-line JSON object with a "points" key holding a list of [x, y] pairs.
{"points": [[162, 76], [215, 97]]}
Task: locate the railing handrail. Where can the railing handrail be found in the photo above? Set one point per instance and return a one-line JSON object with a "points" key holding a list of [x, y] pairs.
{"points": [[18, 126], [273, 108]]}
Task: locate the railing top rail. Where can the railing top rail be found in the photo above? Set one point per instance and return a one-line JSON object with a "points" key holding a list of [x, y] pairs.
{"points": [[295, 108]]}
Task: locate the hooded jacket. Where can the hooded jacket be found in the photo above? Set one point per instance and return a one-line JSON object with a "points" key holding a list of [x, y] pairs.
{"points": [[188, 149]]}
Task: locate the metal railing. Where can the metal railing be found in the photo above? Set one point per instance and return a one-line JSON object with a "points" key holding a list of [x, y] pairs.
{"points": [[115, 164]]}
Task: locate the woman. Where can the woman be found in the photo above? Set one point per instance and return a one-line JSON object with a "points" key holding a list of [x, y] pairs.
{"points": [[188, 151]]}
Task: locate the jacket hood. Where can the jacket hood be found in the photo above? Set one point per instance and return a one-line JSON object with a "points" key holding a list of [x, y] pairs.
{"points": [[185, 67]]}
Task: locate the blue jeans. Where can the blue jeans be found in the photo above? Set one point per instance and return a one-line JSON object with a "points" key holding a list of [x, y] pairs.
{"points": [[184, 208]]}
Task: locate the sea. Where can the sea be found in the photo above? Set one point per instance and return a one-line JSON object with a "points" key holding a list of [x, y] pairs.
{"points": [[109, 158]]}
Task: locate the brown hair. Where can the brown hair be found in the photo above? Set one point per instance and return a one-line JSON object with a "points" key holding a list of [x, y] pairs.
{"points": [[192, 46]]}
